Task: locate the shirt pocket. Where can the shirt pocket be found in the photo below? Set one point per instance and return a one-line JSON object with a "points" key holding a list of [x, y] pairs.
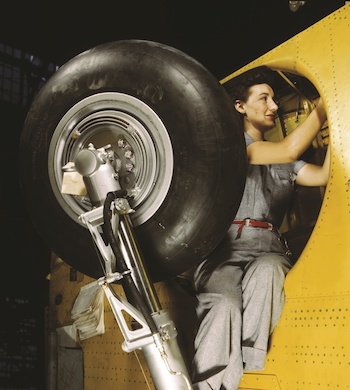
{"points": [[283, 174]]}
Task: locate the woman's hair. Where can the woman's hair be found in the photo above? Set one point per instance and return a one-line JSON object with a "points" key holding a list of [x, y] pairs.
{"points": [[238, 87]]}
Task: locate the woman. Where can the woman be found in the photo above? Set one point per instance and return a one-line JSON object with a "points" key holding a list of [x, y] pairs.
{"points": [[240, 286]]}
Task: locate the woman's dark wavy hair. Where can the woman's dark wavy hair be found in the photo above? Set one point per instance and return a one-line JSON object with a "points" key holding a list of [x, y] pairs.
{"points": [[238, 87]]}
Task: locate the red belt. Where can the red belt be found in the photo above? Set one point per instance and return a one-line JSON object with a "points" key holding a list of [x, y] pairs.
{"points": [[264, 225], [253, 223]]}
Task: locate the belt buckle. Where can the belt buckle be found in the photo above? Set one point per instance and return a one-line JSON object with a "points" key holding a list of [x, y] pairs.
{"points": [[247, 222], [270, 226]]}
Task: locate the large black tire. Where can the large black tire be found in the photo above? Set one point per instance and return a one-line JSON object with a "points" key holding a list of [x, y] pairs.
{"points": [[189, 152]]}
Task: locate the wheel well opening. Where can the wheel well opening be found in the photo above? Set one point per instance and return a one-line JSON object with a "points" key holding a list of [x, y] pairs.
{"points": [[296, 96]]}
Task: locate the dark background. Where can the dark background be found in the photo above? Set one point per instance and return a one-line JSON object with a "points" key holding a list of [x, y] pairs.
{"points": [[222, 35]]}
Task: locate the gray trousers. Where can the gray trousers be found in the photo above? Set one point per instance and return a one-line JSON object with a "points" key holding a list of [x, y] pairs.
{"points": [[240, 300]]}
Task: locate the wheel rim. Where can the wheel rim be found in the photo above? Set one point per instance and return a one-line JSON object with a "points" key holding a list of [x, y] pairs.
{"points": [[137, 137]]}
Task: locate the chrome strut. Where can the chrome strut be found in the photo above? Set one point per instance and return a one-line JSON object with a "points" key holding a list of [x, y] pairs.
{"points": [[153, 332]]}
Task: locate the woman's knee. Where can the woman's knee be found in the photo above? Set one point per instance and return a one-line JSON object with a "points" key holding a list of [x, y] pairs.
{"points": [[275, 261], [269, 265], [227, 305]]}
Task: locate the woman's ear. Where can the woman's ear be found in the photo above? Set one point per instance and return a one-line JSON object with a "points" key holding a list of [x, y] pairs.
{"points": [[239, 106]]}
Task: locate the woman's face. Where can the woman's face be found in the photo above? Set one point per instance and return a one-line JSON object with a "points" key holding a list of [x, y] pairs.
{"points": [[260, 108]]}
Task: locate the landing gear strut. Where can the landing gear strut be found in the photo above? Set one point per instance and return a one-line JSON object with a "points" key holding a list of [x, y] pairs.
{"points": [[155, 333]]}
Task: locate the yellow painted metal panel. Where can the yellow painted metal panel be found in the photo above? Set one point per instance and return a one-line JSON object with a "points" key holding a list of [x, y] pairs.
{"points": [[253, 381], [106, 365], [310, 347]]}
